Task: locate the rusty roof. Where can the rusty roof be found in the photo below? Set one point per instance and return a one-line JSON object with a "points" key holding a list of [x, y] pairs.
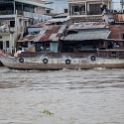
{"points": [[27, 38], [116, 31], [119, 18], [50, 22], [88, 25], [50, 33]]}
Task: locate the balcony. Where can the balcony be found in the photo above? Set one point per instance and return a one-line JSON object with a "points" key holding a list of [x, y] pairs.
{"points": [[86, 13], [37, 16], [25, 14], [7, 12], [94, 13]]}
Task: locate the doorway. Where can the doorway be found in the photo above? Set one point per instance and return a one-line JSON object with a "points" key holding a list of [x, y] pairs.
{"points": [[1, 45]]}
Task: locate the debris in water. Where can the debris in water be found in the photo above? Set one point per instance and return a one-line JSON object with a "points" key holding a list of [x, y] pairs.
{"points": [[47, 112]]}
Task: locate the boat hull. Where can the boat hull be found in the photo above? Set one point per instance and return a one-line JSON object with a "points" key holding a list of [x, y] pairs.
{"points": [[45, 63]]}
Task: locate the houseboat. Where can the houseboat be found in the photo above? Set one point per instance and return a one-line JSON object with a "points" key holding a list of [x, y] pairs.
{"points": [[83, 46]]}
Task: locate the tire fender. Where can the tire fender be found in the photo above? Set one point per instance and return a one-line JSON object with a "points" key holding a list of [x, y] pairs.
{"points": [[93, 58], [21, 60], [67, 61], [45, 61]]}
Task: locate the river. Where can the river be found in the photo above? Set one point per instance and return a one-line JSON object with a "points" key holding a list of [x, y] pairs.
{"points": [[73, 96]]}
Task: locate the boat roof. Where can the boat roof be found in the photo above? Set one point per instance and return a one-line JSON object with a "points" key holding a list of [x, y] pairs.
{"points": [[50, 33], [27, 38], [87, 35]]}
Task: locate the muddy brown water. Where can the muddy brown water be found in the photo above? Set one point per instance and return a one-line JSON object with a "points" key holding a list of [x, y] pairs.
{"points": [[74, 96]]}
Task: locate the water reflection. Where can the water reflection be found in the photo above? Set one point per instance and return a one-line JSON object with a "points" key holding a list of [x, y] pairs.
{"points": [[74, 96]]}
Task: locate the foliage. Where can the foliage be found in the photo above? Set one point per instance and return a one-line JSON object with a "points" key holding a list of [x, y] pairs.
{"points": [[47, 112]]}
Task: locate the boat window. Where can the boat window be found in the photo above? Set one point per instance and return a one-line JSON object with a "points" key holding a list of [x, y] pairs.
{"points": [[39, 47], [122, 36], [113, 52], [116, 45], [121, 45], [110, 45], [42, 47], [74, 46], [54, 47], [47, 47]]}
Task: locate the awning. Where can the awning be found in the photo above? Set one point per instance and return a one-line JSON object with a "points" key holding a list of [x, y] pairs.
{"points": [[33, 3]]}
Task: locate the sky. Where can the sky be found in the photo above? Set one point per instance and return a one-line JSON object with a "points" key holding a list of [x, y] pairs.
{"points": [[60, 4], [116, 4]]}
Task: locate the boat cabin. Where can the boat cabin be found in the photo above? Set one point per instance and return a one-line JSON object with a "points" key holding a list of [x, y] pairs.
{"points": [[48, 39]]}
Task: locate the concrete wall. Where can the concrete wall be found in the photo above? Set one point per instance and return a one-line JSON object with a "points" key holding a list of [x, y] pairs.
{"points": [[5, 37], [40, 10]]}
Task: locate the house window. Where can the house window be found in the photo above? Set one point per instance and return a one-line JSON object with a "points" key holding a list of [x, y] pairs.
{"points": [[7, 44], [32, 42], [1, 45], [12, 23], [94, 9], [0, 37], [76, 9], [47, 11], [65, 10]]}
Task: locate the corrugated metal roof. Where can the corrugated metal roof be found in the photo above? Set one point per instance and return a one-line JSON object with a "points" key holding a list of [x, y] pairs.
{"points": [[50, 33], [88, 25], [59, 20], [88, 35], [50, 22], [119, 17], [33, 3], [61, 15], [28, 38]]}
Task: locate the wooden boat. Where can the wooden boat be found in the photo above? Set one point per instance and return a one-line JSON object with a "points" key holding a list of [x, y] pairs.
{"points": [[78, 49], [109, 58]]}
